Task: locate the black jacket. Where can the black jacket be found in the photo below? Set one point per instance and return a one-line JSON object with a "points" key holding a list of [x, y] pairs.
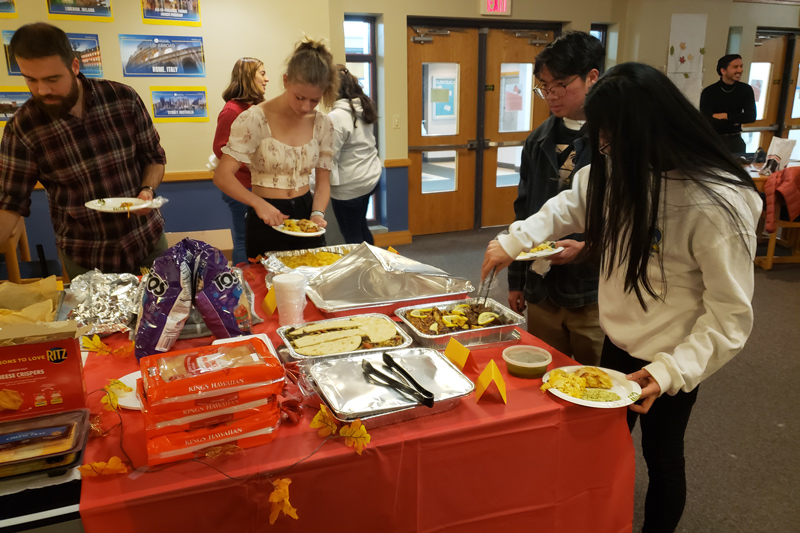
{"points": [[571, 285]]}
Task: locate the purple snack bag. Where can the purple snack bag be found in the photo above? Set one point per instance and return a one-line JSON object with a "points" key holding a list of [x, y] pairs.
{"points": [[219, 296], [166, 300]]}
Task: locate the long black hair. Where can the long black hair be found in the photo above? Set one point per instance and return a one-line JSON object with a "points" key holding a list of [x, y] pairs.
{"points": [[652, 129], [349, 89]]}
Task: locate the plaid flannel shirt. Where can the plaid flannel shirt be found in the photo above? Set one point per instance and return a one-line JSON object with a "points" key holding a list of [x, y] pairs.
{"points": [[100, 155]]}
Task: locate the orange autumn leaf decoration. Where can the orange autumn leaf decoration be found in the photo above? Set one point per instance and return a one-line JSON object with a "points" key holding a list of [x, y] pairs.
{"points": [[280, 500], [111, 400], [356, 436], [325, 421], [100, 468]]}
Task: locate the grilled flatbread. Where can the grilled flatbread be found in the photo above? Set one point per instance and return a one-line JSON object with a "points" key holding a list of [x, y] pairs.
{"points": [[310, 340], [377, 329], [595, 378], [347, 344], [333, 324]]}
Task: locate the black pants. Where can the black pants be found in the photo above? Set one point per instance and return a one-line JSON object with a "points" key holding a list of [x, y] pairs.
{"points": [[734, 142], [352, 218], [663, 428], [260, 238]]}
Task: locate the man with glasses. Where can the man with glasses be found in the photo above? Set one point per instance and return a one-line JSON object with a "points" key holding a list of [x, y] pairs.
{"points": [[729, 103], [561, 304]]}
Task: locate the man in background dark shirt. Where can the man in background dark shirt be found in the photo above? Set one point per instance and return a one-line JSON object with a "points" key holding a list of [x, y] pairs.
{"points": [[82, 140], [729, 103]]}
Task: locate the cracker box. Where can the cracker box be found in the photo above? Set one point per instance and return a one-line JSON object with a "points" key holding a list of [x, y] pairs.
{"points": [[40, 370]]}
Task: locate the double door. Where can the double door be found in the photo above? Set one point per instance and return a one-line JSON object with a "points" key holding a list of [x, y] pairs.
{"points": [[471, 107]]}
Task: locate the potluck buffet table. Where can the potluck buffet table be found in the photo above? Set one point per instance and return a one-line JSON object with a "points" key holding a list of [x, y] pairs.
{"points": [[535, 463]]}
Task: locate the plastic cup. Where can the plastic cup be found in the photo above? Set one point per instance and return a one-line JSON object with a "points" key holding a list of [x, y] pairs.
{"points": [[290, 296]]}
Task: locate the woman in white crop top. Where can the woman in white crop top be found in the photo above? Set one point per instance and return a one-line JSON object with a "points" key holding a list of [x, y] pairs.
{"points": [[282, 141]]}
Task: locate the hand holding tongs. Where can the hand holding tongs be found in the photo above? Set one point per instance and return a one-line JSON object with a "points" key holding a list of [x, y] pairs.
{"points": [[408, 386]]}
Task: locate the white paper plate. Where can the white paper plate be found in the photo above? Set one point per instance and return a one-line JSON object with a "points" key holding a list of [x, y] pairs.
{"points": [[628, 391], [528, 256], [114, 205], [129, 400], [282, 229]]}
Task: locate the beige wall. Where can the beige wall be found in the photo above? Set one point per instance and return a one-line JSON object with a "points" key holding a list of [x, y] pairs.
{"points": [[267, 29]]}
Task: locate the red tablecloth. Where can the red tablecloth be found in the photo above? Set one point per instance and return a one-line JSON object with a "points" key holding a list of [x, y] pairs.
{"points": [[534, 464]]}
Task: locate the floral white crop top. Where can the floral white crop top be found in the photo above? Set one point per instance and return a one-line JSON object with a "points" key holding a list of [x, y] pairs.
{"points": [[273, 163]]}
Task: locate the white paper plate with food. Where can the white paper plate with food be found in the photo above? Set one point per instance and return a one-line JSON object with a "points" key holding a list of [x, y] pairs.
{"points": [[118, 205], [546, 249], [601, 387], [299, 228], [129, 400]]}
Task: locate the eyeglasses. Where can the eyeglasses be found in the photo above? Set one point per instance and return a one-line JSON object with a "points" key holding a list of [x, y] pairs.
{"points": [[558, 91], [604, 148]]}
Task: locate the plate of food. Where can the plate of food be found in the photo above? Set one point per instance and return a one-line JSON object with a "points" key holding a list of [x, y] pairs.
{"points": [[117, 205], [128, 399], [299, 228], [546, 249], [591, 386]]}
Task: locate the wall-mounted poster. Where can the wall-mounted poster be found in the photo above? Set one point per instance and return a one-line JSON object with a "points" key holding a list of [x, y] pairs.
{"points": [[11, 62], [179, 104], [443, 96], [8, 9], [87, 50], [95, 10], [11, 98], [158, 55], [173, 12]]}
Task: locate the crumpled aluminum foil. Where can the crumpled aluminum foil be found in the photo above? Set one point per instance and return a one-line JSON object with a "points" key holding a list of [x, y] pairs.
{"points": [[370, 275], [107, 303]]}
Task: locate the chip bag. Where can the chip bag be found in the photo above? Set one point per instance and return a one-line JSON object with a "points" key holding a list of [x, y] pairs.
{"points": [[219, 295]]}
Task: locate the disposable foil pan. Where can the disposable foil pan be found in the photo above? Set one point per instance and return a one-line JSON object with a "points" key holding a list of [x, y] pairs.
{"points": [[282, 333], [345, 390], [492, 335], [272, 260]]}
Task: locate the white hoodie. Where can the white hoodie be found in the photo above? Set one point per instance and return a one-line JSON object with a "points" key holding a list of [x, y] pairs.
{"points": [[358, 167], [706, 314]]}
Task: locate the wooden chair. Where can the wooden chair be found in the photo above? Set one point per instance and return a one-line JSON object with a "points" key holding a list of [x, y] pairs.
{"points": [[17, 242], [791, 239]]}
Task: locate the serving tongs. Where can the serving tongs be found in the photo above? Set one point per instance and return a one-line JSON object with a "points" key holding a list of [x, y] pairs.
{"points": [[407, 386], [486, 285]]}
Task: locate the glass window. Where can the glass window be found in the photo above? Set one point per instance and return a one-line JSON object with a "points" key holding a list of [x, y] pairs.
{"points": [[439, 99], [760, 74], [516, 88], [796, 102], [357, 36], [362, 71], [752, 140], [795, 134], [508, 158], [439, 171]]}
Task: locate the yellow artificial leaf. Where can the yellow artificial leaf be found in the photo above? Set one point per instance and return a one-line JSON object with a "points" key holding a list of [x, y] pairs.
{"points": [[356, 436], [100, 468], [324, 420], [690, 57], [110, 401], [95, 345], [117, 384], [280, 500], [124, 350], [683, 46]]}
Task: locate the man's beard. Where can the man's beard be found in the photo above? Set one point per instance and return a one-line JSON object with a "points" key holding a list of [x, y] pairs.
{"points": [[62, 107]]}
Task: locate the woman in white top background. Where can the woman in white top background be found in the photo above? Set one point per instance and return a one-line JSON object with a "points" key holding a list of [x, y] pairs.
{"points": [[671, 216], [357, 169], [282, 141]]}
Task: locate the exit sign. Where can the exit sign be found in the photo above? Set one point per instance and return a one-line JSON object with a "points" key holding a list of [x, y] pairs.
{"points": [[496, 7]]}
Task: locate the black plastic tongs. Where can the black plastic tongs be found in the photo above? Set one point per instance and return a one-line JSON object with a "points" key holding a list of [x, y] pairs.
{"points": [[408, 386]]}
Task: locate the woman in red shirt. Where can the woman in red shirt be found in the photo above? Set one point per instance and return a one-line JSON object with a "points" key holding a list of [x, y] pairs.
{"points": [[247, 86]]}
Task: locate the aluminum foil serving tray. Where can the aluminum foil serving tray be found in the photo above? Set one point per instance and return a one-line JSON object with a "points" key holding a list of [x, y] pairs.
{"points": [[492, 335], [272, 260], [283, 334], [343, 387], [370, 279]]}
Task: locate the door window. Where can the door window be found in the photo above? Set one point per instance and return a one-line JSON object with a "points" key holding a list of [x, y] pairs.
{"points": [[508, 158], [516, 88], [440, 99], [439, 171], [760, 75]]}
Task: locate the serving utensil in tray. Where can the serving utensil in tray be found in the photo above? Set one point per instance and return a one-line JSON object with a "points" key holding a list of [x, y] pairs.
{"points": [[349, 394], [485, 336]]}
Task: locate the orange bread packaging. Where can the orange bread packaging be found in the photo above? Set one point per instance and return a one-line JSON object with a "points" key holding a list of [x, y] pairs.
{"points": [[203, 397], [245, 433], [173, 378]]}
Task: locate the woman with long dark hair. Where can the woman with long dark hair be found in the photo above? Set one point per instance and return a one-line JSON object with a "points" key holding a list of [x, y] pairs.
{"points": [[246, 88], [358, 168], [671, 216]]}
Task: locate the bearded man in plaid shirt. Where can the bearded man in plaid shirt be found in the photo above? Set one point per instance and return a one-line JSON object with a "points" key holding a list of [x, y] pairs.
{"points": [[82, 140]]}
